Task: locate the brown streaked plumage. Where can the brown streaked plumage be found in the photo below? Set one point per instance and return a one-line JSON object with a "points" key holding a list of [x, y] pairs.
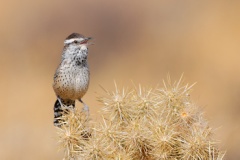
{"points": [[72, 76]]}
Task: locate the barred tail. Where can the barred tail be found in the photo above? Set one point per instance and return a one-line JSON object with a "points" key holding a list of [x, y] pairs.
{"points": [[58, 110]]}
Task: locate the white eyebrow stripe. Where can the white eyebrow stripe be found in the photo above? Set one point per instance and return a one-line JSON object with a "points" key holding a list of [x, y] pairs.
{"points": [[71, 40]]}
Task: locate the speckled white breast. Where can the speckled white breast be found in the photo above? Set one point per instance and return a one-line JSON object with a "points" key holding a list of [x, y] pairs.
{"points": [[81, 82], [71, 81]]}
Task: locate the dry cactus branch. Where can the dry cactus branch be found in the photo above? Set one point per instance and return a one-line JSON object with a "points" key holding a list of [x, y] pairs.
{"points": [[141, 123]]}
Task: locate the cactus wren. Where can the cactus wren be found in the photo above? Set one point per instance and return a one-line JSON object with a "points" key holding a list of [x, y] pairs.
{"points": [[71, 78]]}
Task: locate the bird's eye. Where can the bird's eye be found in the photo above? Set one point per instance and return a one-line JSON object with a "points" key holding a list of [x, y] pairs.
{"points": [[75, 41]]}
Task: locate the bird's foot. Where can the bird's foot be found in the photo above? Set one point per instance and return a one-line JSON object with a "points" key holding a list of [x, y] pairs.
{"points": [[59, 100], [85, 108]]}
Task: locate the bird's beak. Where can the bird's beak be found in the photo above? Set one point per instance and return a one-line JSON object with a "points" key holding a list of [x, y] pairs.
{"points": [[85, 41], [88, 38]]}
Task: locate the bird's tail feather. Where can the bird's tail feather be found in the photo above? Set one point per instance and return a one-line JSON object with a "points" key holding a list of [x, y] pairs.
{"points": [[59, 107]]}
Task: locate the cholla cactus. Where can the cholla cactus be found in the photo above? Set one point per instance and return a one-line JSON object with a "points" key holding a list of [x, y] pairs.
{"points": [[141, 123]]}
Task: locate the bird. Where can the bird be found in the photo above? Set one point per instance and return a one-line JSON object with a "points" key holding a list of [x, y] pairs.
{"points": [[71, 79]]}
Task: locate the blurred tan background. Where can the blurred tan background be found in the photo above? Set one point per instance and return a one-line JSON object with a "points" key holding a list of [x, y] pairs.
{"points": [[136, 40]]}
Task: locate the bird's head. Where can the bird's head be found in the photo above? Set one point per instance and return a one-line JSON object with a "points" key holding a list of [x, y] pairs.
{"points": [[77, 40], [76, 45]]}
